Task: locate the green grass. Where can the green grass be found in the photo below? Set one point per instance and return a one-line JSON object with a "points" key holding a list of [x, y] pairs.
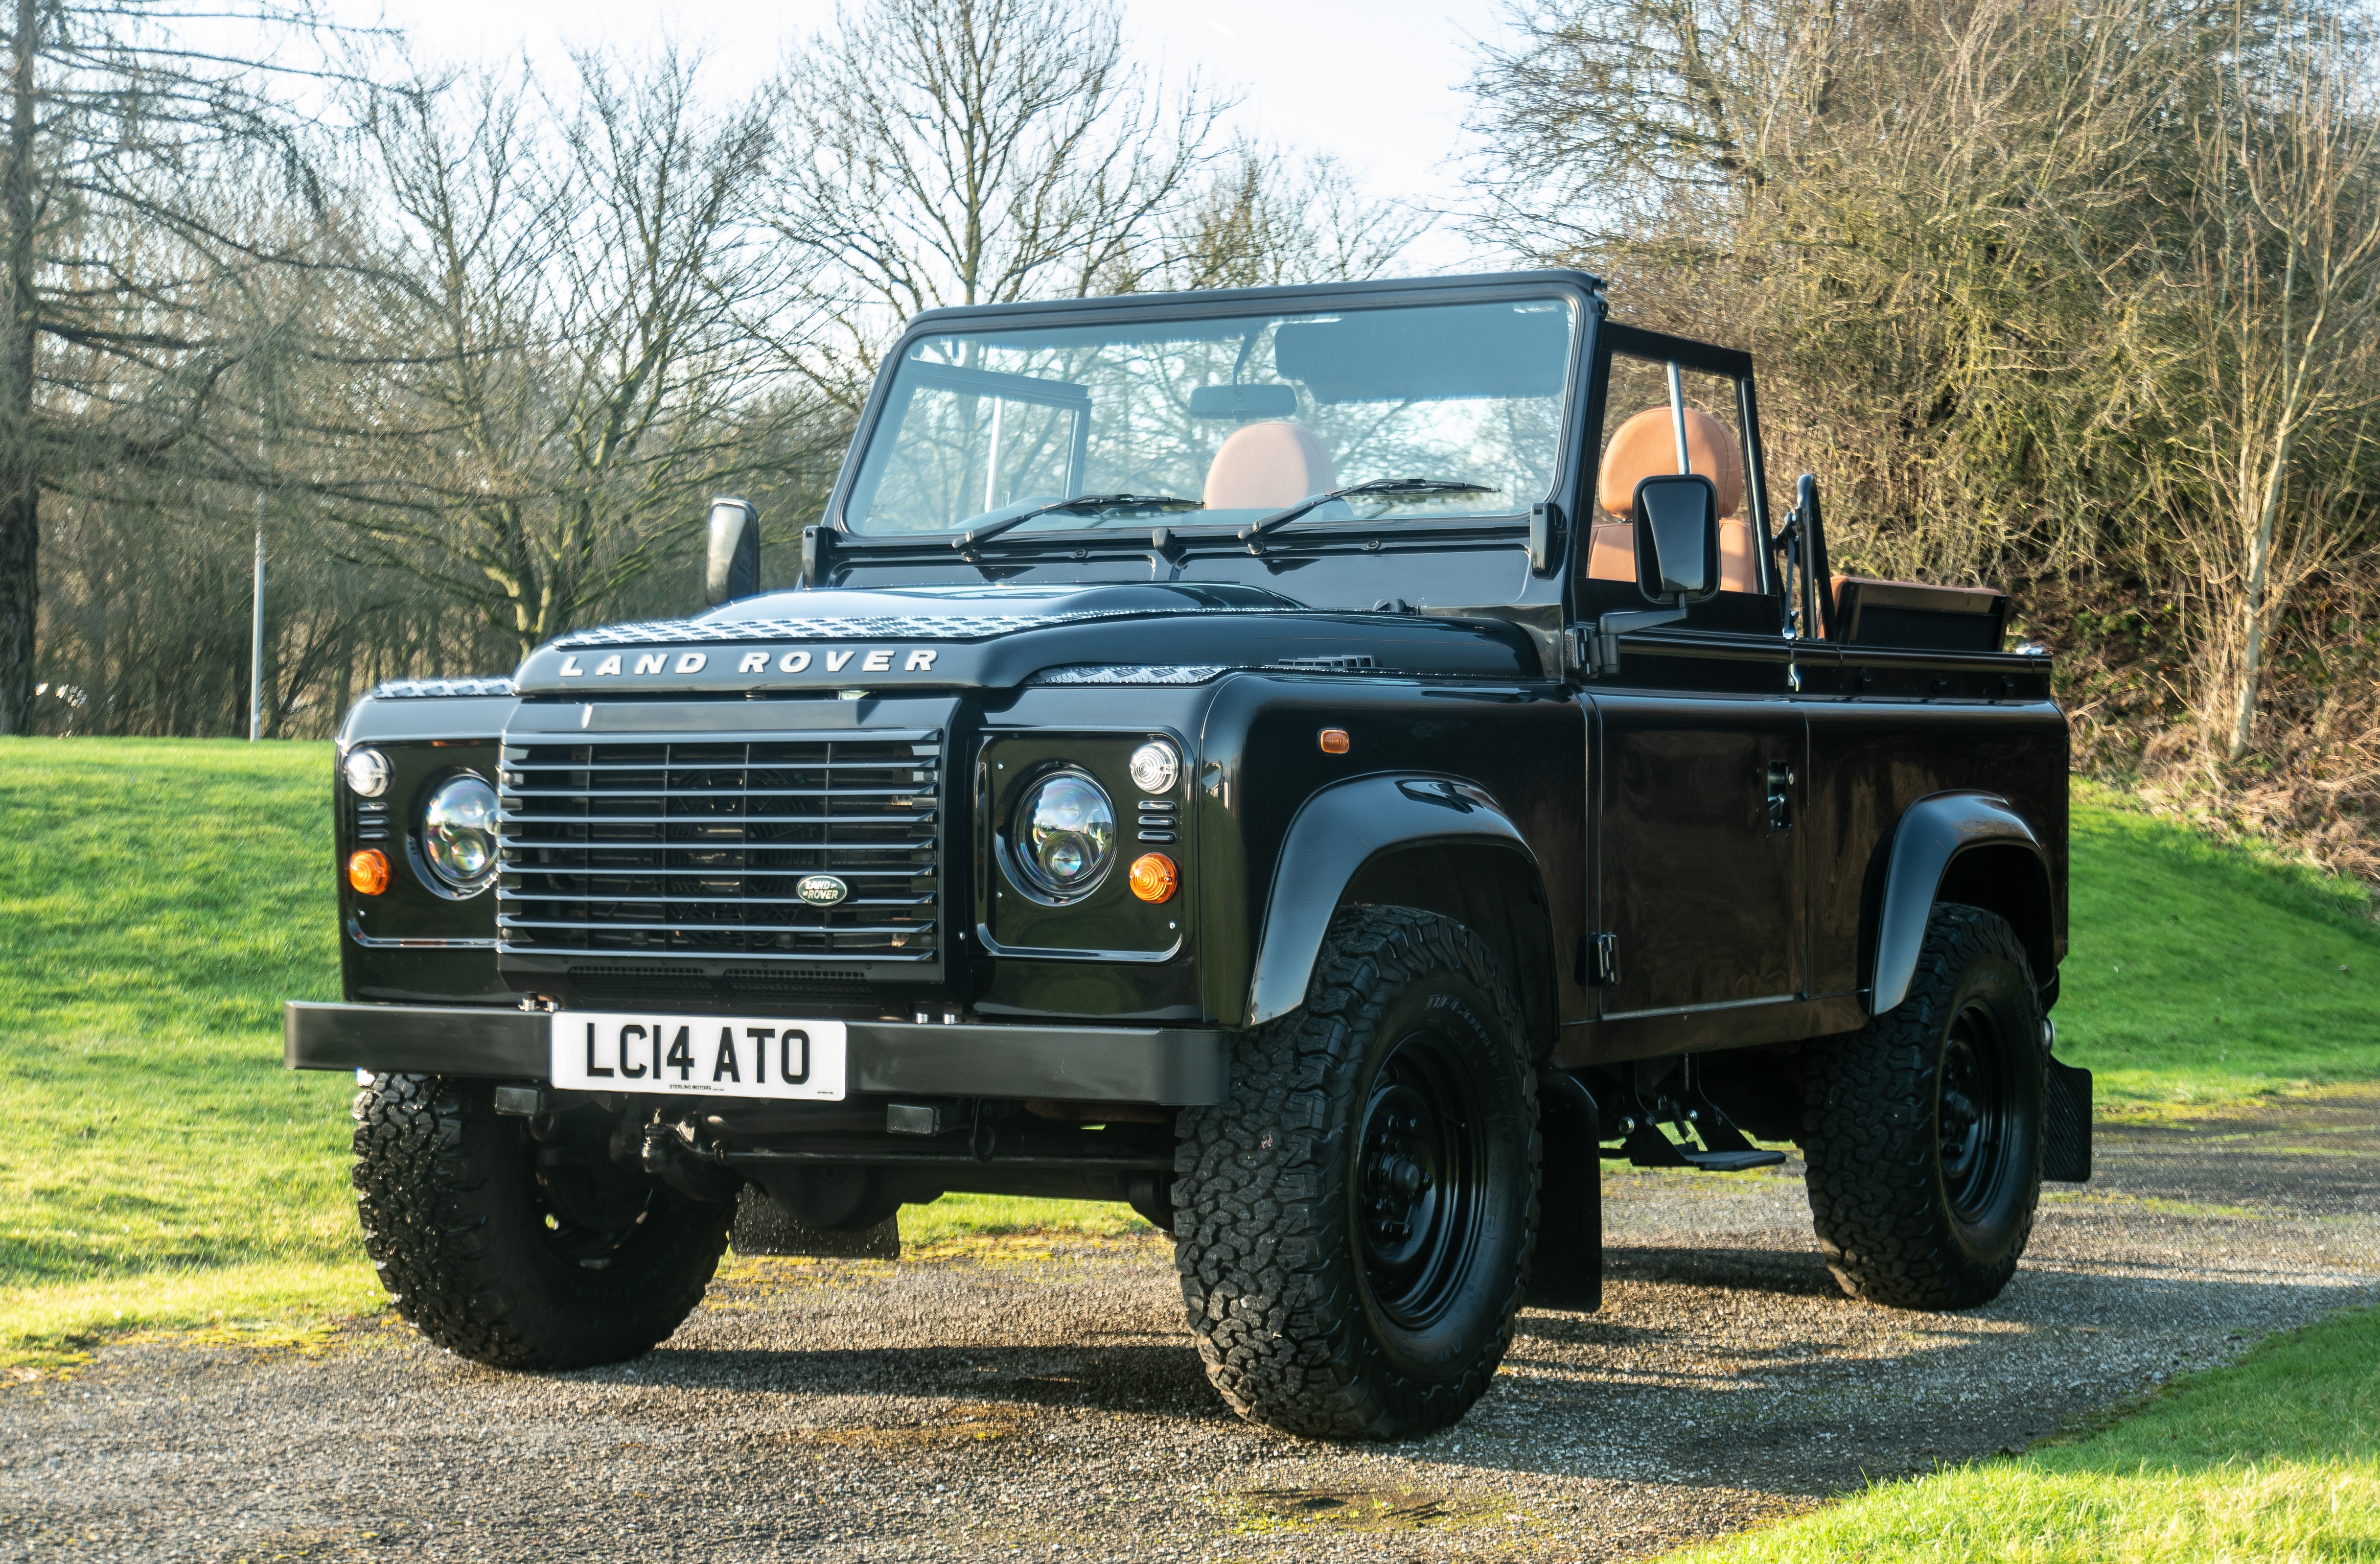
{"points": [[2199, 974], [160, 898], [158, 901], [2276, 1456]]}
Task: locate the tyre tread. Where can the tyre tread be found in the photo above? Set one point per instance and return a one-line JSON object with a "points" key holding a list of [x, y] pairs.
{"points": [[1259, 1222], [428, 1208], [1867, 1136]]}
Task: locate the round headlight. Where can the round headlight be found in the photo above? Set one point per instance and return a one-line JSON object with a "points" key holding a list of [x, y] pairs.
{"points": [[458, 834], [1155, 767], [1065, 834], [366, 773]]}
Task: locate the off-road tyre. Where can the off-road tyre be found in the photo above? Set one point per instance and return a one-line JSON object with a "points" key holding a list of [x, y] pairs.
{"points": [[1312, 1315], [1923, 1131], [517, 1253]]}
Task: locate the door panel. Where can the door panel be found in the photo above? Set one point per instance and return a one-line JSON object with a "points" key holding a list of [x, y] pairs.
{"points": [[1702, 874]]}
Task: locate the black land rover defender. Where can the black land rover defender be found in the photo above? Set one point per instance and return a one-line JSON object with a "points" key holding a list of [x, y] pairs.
{"points": [[1327, 766]]}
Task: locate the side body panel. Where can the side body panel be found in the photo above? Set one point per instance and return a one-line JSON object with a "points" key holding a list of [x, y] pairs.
{"points": [[1702, 881], [1518, 744], [1683, 878], [1874, 754]]}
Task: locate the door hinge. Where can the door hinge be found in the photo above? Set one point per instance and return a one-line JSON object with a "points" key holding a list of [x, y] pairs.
{"points": [[1598, 960]]}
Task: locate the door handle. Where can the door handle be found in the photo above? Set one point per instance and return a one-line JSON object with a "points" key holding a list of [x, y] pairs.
{"points": [[1781, 796]]}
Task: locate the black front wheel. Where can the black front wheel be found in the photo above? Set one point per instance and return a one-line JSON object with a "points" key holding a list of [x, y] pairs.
{"points": [[1923, 1130], [1355, 1223], [522, 1246]]}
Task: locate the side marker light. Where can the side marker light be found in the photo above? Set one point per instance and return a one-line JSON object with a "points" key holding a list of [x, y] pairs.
{"points": [[1154, 877], [367, 871], [1334, 740]]}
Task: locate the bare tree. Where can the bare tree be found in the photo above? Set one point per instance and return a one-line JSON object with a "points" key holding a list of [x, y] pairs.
{"points": [[569, 350], [119, 129], [2270, 351], [962, 152], [1955, 230], [1269, 216]]}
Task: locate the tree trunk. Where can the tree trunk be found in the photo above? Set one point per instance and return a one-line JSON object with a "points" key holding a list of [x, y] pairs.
{"points": [[21, 533], [2253, 608], [2249, 672]]}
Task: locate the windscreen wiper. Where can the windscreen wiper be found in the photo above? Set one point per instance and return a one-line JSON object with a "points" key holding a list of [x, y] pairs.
{"points": [[1098, 504], [1396, 491]]}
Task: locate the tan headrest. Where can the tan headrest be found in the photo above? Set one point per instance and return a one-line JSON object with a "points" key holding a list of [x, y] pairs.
{"points": [[1645, 445], [1269, 466]]}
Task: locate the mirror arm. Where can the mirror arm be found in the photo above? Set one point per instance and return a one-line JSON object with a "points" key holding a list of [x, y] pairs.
{"points": [[818, 554], [1596, 648]]}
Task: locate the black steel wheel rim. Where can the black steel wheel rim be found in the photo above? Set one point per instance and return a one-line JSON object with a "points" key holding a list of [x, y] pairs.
{"points": [[1421, 1180], [1973, 1113], [587, 1215]]}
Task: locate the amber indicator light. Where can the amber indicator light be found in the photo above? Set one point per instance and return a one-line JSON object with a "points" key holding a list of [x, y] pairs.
{"points": [[1154, 877], [1334, 740], [367, 871]]}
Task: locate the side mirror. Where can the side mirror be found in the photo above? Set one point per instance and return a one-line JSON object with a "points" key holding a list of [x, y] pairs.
{"points": [[1677, 538], [732, 564]]}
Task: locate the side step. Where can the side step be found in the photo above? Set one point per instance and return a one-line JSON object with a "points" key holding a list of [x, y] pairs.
{"points": [[1648, 1147], [1722, 1148]]}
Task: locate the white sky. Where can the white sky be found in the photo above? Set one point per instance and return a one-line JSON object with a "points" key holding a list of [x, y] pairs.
{"points": [[1376, 82]]}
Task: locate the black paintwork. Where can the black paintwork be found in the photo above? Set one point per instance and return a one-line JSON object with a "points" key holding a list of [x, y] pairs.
{"points": [[1722, 808]]}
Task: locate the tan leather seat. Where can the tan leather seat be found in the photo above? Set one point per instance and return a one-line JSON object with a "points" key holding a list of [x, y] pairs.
{"points": [[1646, 447], [1269, 466]]}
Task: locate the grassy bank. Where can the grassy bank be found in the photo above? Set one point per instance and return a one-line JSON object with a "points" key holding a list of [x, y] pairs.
{"points": [[159, 900], [2199, 974], [2276, 1456]]}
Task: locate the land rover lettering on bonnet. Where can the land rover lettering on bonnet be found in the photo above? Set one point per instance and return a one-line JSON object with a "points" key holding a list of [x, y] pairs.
{"points": [[1329, 766]]}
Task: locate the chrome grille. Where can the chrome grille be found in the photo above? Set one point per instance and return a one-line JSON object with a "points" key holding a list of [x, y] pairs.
{"points": [[693, 845]]}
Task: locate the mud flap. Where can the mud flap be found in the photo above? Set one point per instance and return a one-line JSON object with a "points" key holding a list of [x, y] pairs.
{"points": [[2066, 1125], [763, 1226], [1569, 1270]]}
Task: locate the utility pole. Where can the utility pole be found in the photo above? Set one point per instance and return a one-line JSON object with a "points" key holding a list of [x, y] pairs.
{"points": [[256, 617]]}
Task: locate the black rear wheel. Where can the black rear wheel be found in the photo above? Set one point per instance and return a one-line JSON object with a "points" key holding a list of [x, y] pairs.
{"points": [[1922, 1130], [1355, 1223]]}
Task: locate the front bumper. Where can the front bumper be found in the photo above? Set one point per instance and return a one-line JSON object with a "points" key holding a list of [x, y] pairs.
{"points": [[1170, 1066]]}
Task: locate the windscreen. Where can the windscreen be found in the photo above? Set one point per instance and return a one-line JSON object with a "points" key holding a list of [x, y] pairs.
{"points": [[1234, 418]]}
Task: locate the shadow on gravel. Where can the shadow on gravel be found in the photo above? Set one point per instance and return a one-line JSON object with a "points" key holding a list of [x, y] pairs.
{"points": [[1747, 1270], [1156, 1379], [2317, 1158]]}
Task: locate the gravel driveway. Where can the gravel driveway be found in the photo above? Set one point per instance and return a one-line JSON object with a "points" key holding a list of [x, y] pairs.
{"points": [[1040, 1401]]}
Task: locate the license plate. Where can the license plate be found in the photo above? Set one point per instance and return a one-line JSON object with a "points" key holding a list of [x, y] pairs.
{"points": [[700, 1056]]}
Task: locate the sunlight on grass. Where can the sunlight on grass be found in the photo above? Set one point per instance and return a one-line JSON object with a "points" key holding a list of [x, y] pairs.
{"points": [[2200, 975], [56, 1325], [961, 1215], [2275, 1458]]}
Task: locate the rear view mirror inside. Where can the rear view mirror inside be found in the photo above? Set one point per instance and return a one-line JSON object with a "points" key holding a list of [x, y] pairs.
{"points": [[1244, 401]]}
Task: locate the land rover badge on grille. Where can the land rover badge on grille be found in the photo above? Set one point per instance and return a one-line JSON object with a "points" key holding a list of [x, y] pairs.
{"points": [[821, 890]]}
